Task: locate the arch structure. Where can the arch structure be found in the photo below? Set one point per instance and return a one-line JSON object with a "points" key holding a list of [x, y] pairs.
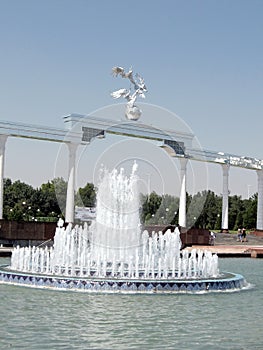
{"points": [[81, 130]]}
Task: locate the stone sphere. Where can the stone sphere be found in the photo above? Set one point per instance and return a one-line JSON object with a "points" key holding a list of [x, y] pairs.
{"points": [[133, 113]]}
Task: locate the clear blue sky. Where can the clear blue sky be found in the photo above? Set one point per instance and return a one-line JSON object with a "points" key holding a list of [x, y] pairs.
{"points": [[202, 60]]}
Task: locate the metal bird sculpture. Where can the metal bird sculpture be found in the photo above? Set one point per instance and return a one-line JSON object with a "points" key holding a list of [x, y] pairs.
{"points": [[133, 112]]}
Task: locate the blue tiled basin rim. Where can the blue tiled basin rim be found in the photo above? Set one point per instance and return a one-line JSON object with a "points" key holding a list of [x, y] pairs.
{"points": [[227, 281]]}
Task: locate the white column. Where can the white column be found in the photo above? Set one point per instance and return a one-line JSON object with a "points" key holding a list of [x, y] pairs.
{"points": [[182, 203], [3, 139], [224, 223], [260, 200], [70, 202]]}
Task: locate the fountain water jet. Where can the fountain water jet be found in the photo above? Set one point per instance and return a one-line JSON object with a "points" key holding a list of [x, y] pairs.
{"points": [[113, 255]]}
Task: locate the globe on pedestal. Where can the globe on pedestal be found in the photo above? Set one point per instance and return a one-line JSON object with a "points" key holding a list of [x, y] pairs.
{"points": [[133, 113]]}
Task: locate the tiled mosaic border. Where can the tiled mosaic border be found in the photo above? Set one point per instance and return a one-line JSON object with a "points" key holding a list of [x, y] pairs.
{"points": [[228, 282]]}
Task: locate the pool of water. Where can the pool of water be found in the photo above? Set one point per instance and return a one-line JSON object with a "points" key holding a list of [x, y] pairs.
{"points": [[42, 319]]}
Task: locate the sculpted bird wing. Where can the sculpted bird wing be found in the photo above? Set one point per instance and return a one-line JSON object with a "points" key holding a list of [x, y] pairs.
{"points": [[141, 85], [118, 70], [129, 75], [120, 93]]}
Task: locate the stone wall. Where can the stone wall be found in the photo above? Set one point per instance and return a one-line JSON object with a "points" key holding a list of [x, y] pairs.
{"points": [[189, 237], [34, 231]]}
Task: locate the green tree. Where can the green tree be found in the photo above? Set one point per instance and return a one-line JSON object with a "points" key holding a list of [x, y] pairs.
{"points": [[150, 205], [210, 211], [60, 188], [194, 210], [17, 198], [250, 212], [235, 207], [51, 199], [158, 209], [24, 203], [46, 201], [168, 210], [86, 196]]}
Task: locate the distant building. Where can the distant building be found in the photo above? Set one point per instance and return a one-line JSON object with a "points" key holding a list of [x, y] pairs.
{"points": [[85, 213]]}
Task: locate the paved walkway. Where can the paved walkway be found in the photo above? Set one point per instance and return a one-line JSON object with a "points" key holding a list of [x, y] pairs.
{"points": [[231, 239], [226, 245]]}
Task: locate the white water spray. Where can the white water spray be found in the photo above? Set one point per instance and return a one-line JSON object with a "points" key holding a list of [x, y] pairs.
{"points": [[114, 246]]}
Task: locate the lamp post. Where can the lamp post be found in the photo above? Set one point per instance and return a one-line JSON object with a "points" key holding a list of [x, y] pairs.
{"points": [[175, 222]]}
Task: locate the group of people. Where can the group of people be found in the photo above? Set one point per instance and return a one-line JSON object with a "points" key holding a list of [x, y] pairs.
{"points": [[241, 235]]}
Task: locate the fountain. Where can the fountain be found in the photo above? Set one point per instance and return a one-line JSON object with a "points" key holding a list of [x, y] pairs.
{"points": [[114, 255]]}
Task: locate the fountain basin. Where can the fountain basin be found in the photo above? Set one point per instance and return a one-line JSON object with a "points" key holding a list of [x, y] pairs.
{"points": [[227, 281]]}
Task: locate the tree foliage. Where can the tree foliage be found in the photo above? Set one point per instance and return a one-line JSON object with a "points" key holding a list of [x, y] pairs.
{"points": [[86, 196], [22, 202], [17, 200], [204, 210]]}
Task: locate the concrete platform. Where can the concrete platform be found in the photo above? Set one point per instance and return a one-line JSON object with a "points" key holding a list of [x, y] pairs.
{"points": [[256, 252], [5, 251], [244, 250]]}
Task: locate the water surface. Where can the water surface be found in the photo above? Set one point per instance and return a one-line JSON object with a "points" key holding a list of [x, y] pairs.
{"points": [[42, 319]]}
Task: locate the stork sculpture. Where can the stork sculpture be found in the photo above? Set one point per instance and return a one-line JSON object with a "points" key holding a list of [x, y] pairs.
{"points": [[132, 112]]}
